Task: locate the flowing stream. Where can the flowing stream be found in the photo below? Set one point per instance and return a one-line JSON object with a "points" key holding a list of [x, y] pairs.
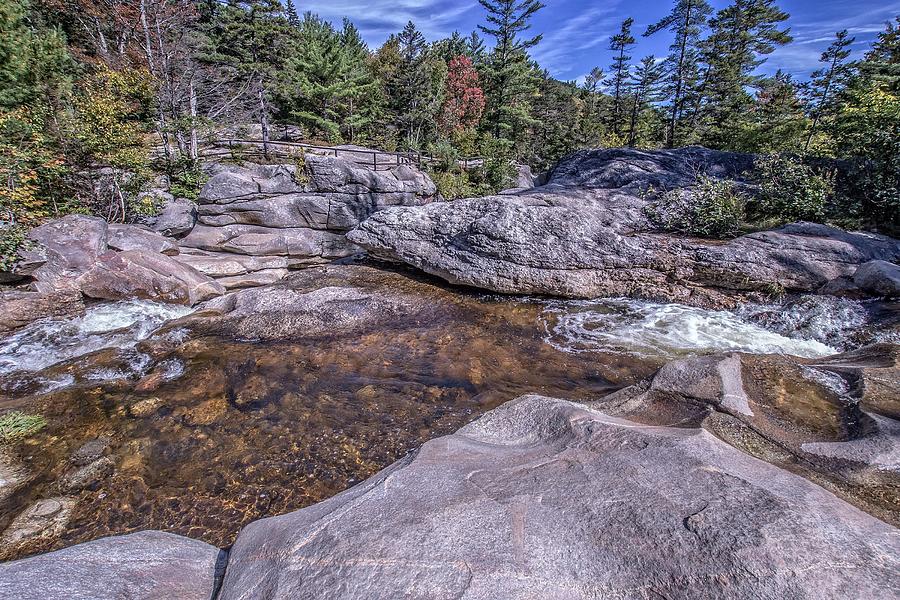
{"points": [[206, 432]]}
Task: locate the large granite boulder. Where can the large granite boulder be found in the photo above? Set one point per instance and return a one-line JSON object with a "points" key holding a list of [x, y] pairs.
{"points": [[131, 237], [149, 565], [831, 419], [71, 246], [272, 211], [176, 218], [147, 275], [879, 278], [588, 242], [280, 313], [21, 307], [543, 498]]}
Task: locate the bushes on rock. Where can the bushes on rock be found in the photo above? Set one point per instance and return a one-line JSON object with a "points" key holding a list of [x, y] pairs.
{"points": [[710, 208], [790, 190]]}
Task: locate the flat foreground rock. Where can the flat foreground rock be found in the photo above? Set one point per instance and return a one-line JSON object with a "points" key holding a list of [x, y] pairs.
{"points": [[543, 498], [150, 565]]}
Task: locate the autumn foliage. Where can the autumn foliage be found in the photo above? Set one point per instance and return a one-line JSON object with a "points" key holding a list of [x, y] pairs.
{"points": [[464, 103]]}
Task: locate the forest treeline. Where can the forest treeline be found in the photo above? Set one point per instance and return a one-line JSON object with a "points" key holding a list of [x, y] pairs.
{"points": [[98, 98]]}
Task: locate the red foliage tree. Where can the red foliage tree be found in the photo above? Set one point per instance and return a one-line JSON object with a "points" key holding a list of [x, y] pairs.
{"points": [[464, 103]]}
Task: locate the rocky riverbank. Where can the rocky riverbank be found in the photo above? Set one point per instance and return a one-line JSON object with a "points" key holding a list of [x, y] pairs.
{"points": [[721, 419]]}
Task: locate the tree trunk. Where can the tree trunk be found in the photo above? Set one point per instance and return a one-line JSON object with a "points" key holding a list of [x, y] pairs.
{"points": [[195, 151], [263, 117]]}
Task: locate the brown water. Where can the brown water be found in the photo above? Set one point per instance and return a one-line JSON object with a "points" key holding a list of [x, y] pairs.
{"points": [[253, 429]]}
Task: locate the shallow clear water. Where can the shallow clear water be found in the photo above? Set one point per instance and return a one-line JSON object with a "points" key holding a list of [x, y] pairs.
{"points": [[208, 432], [667, 331]]}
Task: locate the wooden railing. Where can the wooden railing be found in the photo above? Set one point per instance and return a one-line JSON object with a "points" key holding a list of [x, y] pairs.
{"points": [[373, 159]]}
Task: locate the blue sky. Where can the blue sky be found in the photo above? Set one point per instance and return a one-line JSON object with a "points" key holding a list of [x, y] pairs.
{"points": [[576, 32]]}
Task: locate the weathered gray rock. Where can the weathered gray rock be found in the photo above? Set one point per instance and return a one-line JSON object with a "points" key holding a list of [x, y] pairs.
{"points": [[265, 241], [879, 278], [223, 264], [137, 274], [45, 518], [272, 211], [176, 218], [19, 308], [543, 498], [511, 244], [149, 565], [276, 313], [131, 237], [255, 279], [72, 245], [816, 415]]}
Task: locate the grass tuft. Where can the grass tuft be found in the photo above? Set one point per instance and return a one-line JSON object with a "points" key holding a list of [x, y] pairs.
{"points": [[16, 425]]}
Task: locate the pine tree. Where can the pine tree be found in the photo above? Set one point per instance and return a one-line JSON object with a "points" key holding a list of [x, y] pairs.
{"points": [[475, 49], [686, 21], [592, 127], [644, 88], [290, 12], [249, 36], [409, 85], [742, 35], [619, 44], [826, 83], [324, 77], [777, 121], [882, 62], [508, 73]]}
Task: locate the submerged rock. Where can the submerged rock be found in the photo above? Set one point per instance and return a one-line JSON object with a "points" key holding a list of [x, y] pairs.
{"points": [[544, 498], [150, 565], [814, 416]]}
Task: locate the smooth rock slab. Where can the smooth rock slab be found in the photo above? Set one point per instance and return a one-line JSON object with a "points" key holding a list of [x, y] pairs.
{"points": [[137, 274], [254, 240], [131, 237], [150, 565], [543, 498]]}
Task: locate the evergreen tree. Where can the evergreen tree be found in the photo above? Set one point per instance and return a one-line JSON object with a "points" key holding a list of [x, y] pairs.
{"points": [[645, 90], [828, 82], [742, 34], [592, 127], [290, 12], [409, 86], [619, 44], [882, 62], [249, 36], [777, 121], [686, 21], [324, 78], [509, 77], [475, 49]]}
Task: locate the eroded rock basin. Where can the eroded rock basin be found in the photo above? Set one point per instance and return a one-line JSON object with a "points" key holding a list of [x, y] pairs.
{"points": [[270, 401]]}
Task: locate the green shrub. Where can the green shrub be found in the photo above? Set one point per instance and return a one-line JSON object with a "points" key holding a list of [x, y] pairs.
{"points": [[711, 208], [790, 191], [16, 425], [186, 179], [453, 185], [12, 239]]}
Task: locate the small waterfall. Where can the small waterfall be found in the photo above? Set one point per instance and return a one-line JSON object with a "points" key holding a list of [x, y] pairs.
{"points": [[665, 330], [114, 325]]}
